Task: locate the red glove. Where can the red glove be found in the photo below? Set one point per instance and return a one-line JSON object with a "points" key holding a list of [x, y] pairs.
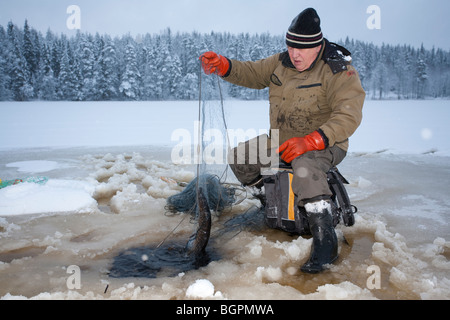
{"points": [[295, 147], [214, 63]]}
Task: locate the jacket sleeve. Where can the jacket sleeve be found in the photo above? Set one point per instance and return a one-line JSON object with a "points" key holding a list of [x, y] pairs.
{"points": [[252, 74], [346, 97]]}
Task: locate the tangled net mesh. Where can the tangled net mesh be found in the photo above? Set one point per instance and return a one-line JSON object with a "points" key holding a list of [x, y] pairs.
{"points": [[219, 197], [211, 175]]}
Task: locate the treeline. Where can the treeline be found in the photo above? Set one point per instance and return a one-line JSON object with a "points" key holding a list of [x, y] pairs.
{"points": [[165, 66], [401, 72]]}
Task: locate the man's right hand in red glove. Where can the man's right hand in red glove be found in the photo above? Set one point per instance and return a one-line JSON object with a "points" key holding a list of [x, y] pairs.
{"points": [[214, 63]]}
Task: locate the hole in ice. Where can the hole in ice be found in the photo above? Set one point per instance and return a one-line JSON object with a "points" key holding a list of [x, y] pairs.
{"points": [[171, 259]]}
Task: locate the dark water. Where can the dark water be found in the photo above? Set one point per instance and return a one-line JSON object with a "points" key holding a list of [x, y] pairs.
{"points": [[151, 262], [170, 259]]}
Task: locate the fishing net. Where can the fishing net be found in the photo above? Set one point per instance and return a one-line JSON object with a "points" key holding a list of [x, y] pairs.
{"points": [[210, 154], [218, 196]]}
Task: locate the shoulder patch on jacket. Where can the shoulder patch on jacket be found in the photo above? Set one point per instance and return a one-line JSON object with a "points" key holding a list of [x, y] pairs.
{"points": [[336, 56]]}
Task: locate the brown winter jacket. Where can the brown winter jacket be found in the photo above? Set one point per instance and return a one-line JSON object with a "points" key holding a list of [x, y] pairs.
{"points": [[327, 96]]}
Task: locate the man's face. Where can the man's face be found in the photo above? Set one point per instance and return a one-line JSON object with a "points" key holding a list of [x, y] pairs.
{"points": [[303, 58]]}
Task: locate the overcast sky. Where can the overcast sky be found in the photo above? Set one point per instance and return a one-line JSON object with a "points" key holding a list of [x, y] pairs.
{"points": [[410, 22]]}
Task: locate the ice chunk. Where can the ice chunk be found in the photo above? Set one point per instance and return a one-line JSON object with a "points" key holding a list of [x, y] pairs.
{"points": [[343, 291], [55, 196], [270, 273], [201, 288]]}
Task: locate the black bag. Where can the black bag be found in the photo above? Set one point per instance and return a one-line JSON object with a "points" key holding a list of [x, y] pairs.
{"points": [[341, 201], [281, 211]]}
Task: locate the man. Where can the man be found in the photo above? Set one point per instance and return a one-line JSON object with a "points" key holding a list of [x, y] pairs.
{"points": [[316, 101]]}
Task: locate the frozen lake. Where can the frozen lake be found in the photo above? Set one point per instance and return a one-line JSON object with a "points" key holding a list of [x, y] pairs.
{"points": [[397, 126], [104, 195]]}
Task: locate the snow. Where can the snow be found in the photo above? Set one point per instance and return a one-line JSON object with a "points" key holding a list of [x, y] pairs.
{"points": [[105, 161], [318, 206], [55, 196], [36, 166], [404, 127], [74, 124], [398, 126], [202, 288]]}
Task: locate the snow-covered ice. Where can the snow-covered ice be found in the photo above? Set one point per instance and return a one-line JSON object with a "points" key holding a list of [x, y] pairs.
{"points": [[104, 195], [201, 288], [55, 196]]}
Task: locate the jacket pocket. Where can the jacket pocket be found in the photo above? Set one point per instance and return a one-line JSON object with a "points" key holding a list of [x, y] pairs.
{"points": [[306, 86], [275, 80], [310, 98], [306, 96]]}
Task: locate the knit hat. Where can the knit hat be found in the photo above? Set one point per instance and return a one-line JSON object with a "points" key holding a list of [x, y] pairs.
{"points": [[304, 31]]}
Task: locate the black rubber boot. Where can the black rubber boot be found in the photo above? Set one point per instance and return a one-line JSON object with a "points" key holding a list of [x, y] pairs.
{"points": [[325, 245]]}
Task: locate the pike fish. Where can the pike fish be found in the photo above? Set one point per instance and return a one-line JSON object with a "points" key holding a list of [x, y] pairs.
{"points": [[198, 241]]}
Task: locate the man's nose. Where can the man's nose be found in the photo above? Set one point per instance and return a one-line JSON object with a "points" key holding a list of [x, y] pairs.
{"points": [[297, 54]]}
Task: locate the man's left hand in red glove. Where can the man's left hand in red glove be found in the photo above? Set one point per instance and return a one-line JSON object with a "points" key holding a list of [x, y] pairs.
{"points": [[297, 146]]}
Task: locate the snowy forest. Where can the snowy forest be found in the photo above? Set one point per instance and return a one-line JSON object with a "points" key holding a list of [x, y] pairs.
{"points": [[165, 66]]}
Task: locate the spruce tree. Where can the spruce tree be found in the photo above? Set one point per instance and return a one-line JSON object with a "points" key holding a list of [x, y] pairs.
{"points": [[130, 84]]}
